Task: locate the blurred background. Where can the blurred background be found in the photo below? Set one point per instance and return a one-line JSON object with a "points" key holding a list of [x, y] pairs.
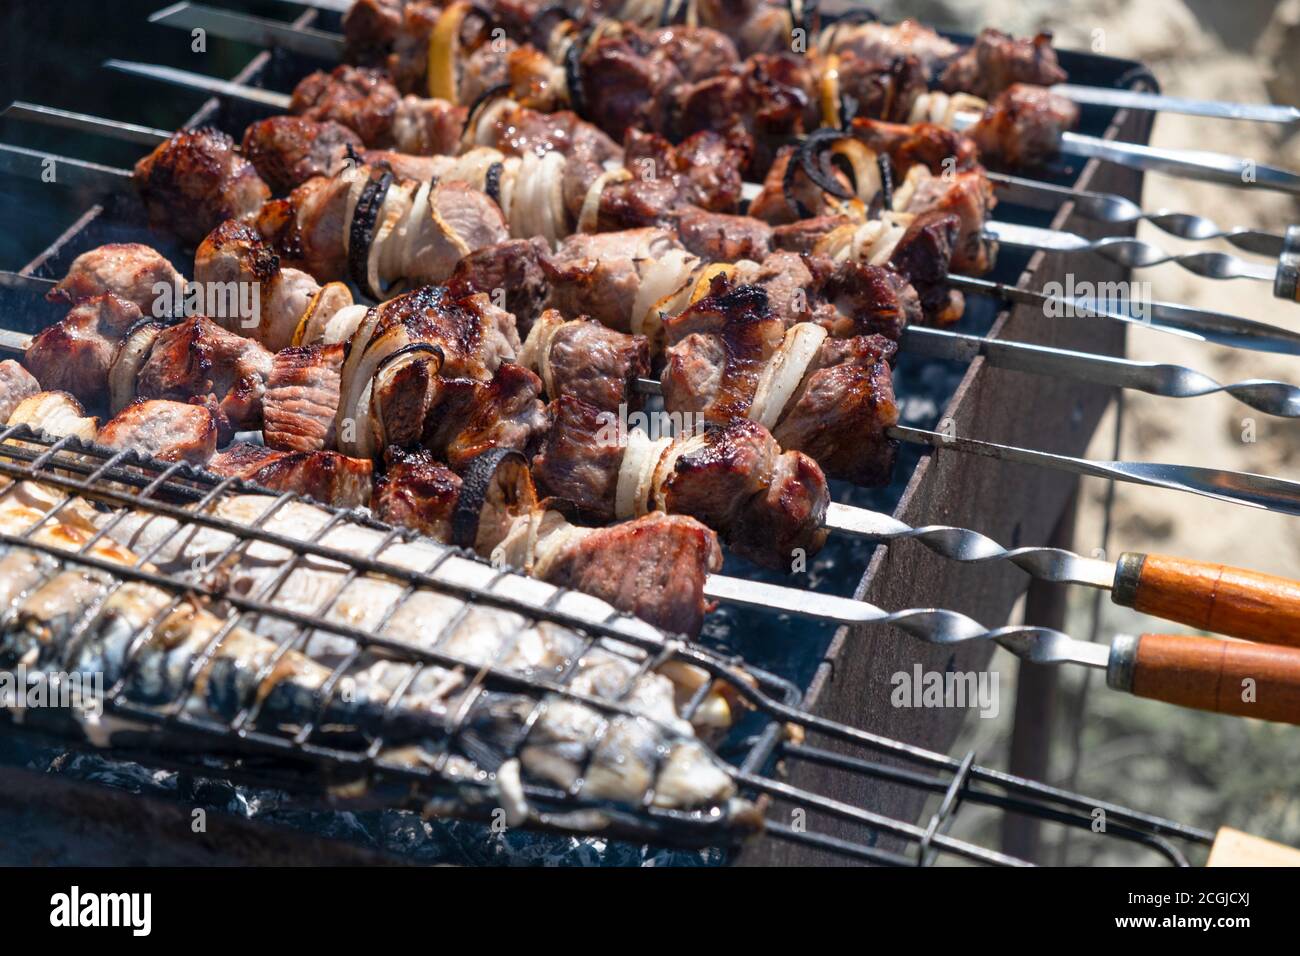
{"points": [[1196, 768]]}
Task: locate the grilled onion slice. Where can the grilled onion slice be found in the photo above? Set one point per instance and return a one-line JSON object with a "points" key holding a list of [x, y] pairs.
{"points": [[361, 231], [332, 298], [444, 53], [130, 358], [784, 371], [496, 489]]}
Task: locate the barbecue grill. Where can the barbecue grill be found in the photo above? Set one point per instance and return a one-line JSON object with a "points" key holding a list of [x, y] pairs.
{"points": [[860, 790]]}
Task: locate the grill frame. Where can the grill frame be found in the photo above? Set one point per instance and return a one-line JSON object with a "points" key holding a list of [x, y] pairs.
{"points": [[851, 685]]}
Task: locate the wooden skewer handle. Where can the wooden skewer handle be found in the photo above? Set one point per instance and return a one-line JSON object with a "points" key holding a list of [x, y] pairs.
{"points": [[1206, 673], [1211, 597]]}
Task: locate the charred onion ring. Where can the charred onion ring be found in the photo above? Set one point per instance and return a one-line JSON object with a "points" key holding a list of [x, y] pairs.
{"points": [[362, 230], [501, 474]]}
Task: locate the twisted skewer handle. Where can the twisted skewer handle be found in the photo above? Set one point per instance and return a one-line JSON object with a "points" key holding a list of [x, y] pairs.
{"points": [[1226, 677], [1211, 597], [1287, 284]]}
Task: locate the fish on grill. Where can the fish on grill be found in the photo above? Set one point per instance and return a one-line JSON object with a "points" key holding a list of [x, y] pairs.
{"points": [[168, 431], [327, 476], [193, 658]]}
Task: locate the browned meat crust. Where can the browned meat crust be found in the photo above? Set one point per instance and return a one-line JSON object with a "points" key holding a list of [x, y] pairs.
{"points": [[868, 300], [923, 256], [129, 270], [361, 99], [510, 273], [469, 417], [418, 492], [168, 431], [938, 149], [768, 505], [997, 61], [198, 361], [196, 180], [577, 462], [653, 567], [302, 397], [327, 476], [597, 364], [289, 150], [76, 353], [1022, 128]]}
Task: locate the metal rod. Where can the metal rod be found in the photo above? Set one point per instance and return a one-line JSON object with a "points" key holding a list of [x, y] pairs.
{"points": [[201, 83], [246, 28]]}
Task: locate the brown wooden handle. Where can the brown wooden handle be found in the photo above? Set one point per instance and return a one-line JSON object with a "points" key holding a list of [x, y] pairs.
{"points": [[1227, 677], [1234, 848], [1211, 597]]}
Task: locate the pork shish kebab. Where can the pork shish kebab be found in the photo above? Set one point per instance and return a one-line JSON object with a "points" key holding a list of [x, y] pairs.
{"points": [[615, 733], [887, 76], [502, 405], [694, 185], [397, 35], [663, 567]]}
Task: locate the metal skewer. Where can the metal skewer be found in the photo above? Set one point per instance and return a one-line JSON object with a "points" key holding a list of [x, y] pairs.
{"points": [[190, 15]]}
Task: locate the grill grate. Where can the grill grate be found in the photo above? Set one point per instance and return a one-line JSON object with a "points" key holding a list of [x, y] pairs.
{"points": [[128, 483]]}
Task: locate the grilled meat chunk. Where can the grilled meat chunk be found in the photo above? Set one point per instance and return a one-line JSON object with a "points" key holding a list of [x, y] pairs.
{"points": [[654, 566], [168, 431], [416, 491], [600, 275], [883, 88], [327, 476], [937, 148], [16, 384], [469, 417], [705, 167], [882, 41], [579, 459], [587, 360], [289, 150], [366, 102], [768, 505], [720, 237], [129, 270], [195, 181], [719, 349], [839, 419], [511, 270], [966, 195], [516, 130], [302, 398], [198, 361], [922, 257], [788, 195], [76, 353], [1022, 128], [868, 299], [996, 61]]}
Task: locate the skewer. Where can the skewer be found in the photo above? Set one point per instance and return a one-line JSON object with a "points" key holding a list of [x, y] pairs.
{"points": [[1119, 210], [1193, 164], [191, 15], [1200, 324]]}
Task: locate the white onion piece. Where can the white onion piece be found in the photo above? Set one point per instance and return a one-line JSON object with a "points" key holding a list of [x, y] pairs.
{"points": [[411, 228], [785, 370], [551, 543], [518, 546], [558, 212], [55, 413], [357, 177], [125, 370], [903, 194], [361, 442], [591, 202], [667, 462], [350, 382], [379, 266], [629, 473], [487, 119], [535, 354], [506, 187], [341, 325], [646, 480], [662, 277]]}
